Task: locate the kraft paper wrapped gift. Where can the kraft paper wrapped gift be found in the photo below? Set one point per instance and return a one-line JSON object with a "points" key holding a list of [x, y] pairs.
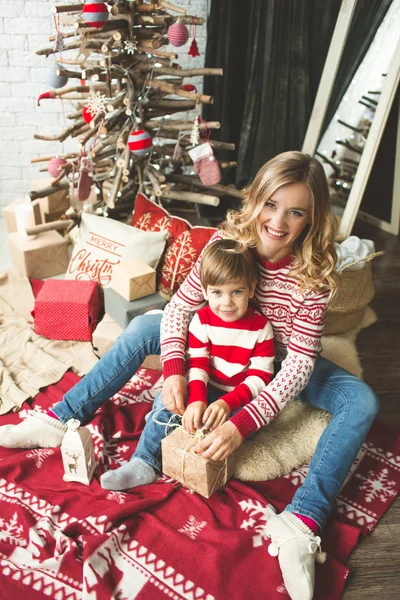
{"points": [[55, 203], [41, 256], [133, 279], [105, 335], [9, 214], [202, 475], [123, 311]]}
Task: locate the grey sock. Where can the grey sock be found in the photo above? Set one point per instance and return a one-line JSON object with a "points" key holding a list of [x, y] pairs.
{"points": [[133, 474]]}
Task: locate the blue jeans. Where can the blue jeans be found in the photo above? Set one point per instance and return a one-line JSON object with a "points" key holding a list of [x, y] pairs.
{"points": [[352, 403], [149, 446]]}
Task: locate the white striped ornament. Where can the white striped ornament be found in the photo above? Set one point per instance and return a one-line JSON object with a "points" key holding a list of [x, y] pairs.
{"points": [[178, 34], [139, 142], [95, 14]]}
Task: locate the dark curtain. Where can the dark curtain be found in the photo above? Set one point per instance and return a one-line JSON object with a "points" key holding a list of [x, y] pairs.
{"points": [[273, 54]]}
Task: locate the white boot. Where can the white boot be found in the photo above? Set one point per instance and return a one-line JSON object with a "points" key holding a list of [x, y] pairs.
{"points": [[36, 431], [297, 549]]}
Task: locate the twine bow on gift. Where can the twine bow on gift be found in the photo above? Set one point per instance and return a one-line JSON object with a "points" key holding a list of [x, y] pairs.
{"points": [[196, 437]]}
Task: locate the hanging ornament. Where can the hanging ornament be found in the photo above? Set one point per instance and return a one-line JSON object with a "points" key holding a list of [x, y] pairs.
{"points": [[130, 46], [139, 142], [205, 164], [85, 180], [177, 155], [55, 166], [95, 14], [96, 104], [56, 81], [194, 49], [59, 42], [178, 34]]}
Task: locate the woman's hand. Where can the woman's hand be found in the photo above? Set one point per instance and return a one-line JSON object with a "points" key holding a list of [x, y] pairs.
{"points": [[193, 416], [174, 394], [221, 442], [216, 414]]}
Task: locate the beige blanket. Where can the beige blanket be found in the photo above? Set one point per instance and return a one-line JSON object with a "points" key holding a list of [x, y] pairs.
{"points": [[29, 361]]}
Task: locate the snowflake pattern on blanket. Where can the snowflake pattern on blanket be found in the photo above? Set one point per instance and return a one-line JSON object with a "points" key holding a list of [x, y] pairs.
{"points": [[67, 541]]}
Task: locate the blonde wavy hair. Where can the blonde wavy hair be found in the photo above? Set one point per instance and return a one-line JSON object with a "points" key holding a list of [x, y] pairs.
{"points": [[315, 254]]}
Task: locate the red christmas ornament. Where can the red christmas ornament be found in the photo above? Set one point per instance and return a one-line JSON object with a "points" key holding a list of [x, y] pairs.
{"points": [[139, 142], [94, 13], [87, 115], [194, 49], [188, 87], [178, 34], [55, 165]]}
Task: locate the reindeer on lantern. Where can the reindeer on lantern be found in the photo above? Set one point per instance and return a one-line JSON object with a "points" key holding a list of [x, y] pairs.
{"points": [[78, 453]]}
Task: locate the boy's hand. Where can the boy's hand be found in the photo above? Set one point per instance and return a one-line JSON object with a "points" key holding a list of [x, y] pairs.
{"points": [[193, 416], [216, 414]]}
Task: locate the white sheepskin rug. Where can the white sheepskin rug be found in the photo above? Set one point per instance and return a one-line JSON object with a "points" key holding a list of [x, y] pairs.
{"points": [[290, 440]]}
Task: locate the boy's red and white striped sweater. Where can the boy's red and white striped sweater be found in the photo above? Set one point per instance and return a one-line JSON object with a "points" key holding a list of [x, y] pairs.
{"points": [[297, 319], [236, 357]]}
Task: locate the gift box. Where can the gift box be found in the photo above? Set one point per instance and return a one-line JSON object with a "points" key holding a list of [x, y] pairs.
{"points": [[41, 256], [133, 279], [105, 335], [123, 311], [10, 218], [202, 475], [67, 310]]}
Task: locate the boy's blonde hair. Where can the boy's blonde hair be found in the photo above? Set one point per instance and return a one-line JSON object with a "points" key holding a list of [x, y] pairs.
{"points": [[315, 254], [225, 261]]}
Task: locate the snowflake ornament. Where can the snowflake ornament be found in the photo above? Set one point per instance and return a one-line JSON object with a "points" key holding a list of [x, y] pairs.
{"points": [[130, 46], [96, 103]]}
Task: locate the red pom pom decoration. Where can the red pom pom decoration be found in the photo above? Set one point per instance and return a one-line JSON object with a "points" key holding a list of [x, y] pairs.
{"points": [[178, 34], [94, 13], [87, 115], [55, 165], [188, 87], [139, 142]]}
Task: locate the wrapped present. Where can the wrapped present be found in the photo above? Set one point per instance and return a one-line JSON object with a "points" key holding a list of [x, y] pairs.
{"points": [[123, 311], [202, 475], [133, 279], [67, 310], [10, 216], [105, 335], [41, 256]]}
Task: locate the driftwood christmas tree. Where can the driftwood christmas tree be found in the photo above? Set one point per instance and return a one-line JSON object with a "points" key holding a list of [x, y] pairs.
{"points": [[109, 59]]}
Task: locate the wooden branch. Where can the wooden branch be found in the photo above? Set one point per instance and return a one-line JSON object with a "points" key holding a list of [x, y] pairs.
{"points": [[185, 140], [171, 89], [68, 8], [93, 44], [171, 125], [154, 181], [61, 72], [182, 105], [160, 176], [169, 6], [108, 141], [47, 158], [117, 181], [190, 197], [187, 72], [47, 191], [53, 226], [217, 189]]}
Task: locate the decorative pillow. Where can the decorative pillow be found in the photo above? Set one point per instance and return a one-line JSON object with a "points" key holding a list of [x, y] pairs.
{"points": [[103, 243], [184, 242]]}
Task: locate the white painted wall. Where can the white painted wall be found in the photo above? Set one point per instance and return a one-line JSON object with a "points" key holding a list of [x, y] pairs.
{"points": [[25, 27]]}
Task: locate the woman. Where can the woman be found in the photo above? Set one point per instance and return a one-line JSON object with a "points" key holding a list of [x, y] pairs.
{"points": [[286, 219]]}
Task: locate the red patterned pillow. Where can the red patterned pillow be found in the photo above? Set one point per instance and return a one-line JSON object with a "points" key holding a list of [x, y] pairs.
{"points": [[184, 242]]}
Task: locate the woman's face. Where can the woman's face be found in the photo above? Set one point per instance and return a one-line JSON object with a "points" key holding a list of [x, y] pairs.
{"points": [[282, 220]]}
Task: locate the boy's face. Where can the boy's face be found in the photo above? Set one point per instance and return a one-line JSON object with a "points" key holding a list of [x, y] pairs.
{"points": [[229, 301]]}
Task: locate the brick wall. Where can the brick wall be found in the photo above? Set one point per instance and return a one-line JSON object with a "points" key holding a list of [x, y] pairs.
{"points": [[25, 27]]}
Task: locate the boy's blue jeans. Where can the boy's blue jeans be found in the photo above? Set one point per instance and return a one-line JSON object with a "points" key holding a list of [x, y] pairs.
{"points": [[352, 403]]}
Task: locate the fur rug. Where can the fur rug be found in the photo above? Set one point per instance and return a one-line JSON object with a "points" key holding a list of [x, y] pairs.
{"points": [[290, 440]]}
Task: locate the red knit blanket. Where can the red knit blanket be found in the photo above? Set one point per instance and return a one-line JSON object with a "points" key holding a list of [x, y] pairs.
{"points": [[69, 541]]}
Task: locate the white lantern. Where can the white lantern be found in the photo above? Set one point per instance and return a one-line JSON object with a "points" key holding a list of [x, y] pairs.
{"points": [[78, 453]]}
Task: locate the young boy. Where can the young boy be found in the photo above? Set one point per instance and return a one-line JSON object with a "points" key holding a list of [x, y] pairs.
{"points": [[230, 360]]}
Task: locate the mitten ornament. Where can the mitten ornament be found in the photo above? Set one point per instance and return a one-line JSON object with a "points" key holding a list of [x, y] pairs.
{"points": [[205, 164]]}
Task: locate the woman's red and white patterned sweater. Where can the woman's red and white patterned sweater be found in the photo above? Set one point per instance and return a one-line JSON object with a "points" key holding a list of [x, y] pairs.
{"points": [[297, 319]]}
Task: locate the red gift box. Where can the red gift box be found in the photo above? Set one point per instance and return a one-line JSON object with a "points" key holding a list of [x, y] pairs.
{"points": [[67, 310]]}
